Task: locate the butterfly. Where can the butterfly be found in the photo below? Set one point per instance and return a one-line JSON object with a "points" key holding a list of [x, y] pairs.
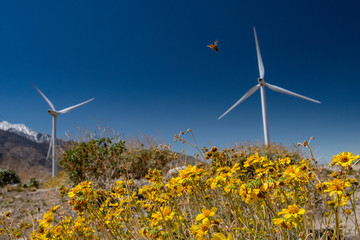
{"points": [[214, 46]]}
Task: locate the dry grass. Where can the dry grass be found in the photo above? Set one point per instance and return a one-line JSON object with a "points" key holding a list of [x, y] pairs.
{"points": [[61, 178]]}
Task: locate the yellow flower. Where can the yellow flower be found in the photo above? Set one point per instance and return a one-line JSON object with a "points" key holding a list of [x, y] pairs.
{"points": [[168, 214], [194, 229], [286, 160], [334, 175], [53, 209], [203, 227], [47, 220], [206, 213], [284, 223], [235, 168], [189, 171], [220, 236], [348, 211], [353, 181], [81, 189], [338, 200], [321, 187], [292, 211], [291, 172], [165, 213], [72, 193], [344, 159], [253, 159], [337, 186]]}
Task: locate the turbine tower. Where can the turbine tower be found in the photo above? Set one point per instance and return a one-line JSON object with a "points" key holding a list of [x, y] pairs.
{"points": [[262, 84], [55, 114]]}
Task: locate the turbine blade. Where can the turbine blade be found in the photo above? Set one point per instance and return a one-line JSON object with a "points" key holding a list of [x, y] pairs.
{"points": [[46, 99], [282, 90], [246, 95], [50, 145], [260, 62], [65, 110]]}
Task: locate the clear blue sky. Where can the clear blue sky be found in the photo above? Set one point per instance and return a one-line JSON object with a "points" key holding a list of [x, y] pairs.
{"points": [[147, 65]]}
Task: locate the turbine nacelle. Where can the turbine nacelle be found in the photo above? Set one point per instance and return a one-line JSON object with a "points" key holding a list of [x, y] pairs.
{"points": [[53, 113], [261, 81]]}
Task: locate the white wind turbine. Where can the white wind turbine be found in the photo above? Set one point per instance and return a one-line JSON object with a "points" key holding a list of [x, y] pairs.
{"points": [[55, 114], [261, 84]]}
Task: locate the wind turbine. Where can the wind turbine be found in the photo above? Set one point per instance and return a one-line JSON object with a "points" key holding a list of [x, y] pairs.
{"points": [[261, 84], [55, 114]]}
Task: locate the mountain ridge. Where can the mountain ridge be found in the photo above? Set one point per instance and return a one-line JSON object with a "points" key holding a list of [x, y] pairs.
{"points": [[24, 131]]}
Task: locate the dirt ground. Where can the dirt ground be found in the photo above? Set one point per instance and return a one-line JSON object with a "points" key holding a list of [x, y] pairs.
{"points": [[27, 202]]}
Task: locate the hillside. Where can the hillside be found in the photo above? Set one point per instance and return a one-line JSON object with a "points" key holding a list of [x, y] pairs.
{"points": [[26, 157]]}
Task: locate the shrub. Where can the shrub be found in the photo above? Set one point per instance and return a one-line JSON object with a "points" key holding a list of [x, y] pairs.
{"points": [[97, 160], [104, 159], [141, 160], [33, 182], [8, 176]]}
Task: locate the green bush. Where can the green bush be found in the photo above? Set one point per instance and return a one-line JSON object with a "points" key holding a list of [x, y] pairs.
{"points": [[141, 160], [33, 182], [104, 159], [97, 160], [8, 176]]}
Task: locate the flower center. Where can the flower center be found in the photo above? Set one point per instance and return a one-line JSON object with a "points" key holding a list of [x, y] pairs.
{"points": [[293, 209], [344, 159]]}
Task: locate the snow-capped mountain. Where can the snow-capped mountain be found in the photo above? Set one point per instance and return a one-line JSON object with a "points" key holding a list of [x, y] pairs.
{"points": [[24, 131]]}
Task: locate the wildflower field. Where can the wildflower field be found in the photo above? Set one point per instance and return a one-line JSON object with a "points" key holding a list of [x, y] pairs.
{"points": [[246, 192]]}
